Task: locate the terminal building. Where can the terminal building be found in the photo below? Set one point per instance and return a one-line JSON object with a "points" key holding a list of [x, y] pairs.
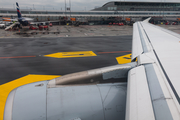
{"points": [[140, 6], [111, 11]]}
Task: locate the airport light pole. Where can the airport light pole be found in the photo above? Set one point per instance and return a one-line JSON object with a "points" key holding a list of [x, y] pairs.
{"points": [[123, 10], [70, 7], [65, 7], [163, 10], [120, 11], [65, 13]]}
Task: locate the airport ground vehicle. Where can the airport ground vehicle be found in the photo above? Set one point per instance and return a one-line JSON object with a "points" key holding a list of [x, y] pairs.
{"points": [[45, 27], [33, 27], [50, 24], [121, 24], [117, 23], [2, 26], [167, 23], [174, 23]]}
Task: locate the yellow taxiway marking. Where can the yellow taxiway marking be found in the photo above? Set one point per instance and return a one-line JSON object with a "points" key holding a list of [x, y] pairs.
{"points": [[72, 54], [6, 88], [124, 59]]}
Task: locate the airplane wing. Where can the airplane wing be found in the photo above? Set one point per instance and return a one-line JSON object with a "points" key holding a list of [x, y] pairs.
{"points": [[153, 90], [146, 89], [9, 19], [28, 19]]}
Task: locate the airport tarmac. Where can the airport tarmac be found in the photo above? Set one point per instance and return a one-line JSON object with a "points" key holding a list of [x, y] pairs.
{"points": [[27, 59], [72, 31], [81, 31], [20, 57]]}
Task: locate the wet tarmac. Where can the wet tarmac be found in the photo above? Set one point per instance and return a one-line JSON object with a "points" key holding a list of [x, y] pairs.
{"points": [[81, 31], [22, 56], [70, 31]]}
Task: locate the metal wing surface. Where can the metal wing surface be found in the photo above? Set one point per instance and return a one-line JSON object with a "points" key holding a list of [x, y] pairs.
{"points": [[154, 86]]}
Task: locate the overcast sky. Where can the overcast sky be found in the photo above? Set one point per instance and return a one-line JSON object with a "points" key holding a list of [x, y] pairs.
{"points": [[76, 5], [56, 4]]}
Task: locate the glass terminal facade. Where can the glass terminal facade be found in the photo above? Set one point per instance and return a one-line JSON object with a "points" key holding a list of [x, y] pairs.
{"points": [[139, 6]]}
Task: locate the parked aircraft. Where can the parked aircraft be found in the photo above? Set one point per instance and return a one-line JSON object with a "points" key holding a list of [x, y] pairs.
{"points": [[24, 21], [8, 19], [151, 92]]}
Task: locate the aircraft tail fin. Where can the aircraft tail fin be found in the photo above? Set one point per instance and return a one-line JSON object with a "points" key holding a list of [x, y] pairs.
{"points": [[18, 10]]}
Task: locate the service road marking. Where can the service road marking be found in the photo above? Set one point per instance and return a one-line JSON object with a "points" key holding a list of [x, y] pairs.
{"points": [[124, 59], [72, 54]]}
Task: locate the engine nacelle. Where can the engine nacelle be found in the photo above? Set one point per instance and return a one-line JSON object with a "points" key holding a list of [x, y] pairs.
{"points": [[37, 101]]}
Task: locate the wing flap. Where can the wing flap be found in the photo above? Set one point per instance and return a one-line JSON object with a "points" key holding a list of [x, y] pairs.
{"points": [[166, 47], [160, 57], [138, 104]]}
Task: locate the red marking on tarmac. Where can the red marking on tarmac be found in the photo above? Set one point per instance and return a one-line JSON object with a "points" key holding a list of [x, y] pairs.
{"points": [[17, 57], [113, 52]]}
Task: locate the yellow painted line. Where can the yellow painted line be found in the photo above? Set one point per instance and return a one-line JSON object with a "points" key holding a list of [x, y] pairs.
{"points": [[124, 59], [6, 88], [72, 54]]}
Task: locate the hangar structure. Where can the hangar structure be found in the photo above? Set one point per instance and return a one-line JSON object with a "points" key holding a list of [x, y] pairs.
{"points": [[111, 10]]}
